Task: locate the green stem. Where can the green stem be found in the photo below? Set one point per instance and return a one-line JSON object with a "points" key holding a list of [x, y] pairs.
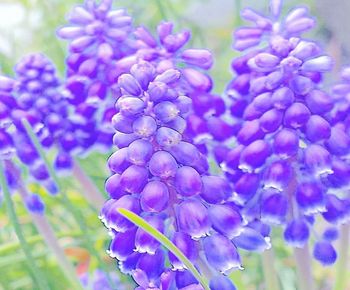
{"points": [[39, 279], [270, 274], [90, 190], [161, 8], [12, 246], [343, 254], [304, 270], [78, 216], [45, 230], [238, 8], [140, 222]]}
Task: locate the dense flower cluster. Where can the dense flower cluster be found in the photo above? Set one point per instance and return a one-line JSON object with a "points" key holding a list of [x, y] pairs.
{"points": [[7, 102], [103, 45], [99, 37], [35, 94], [284, 147], [163, 178], [39, 94], [282, 144], [167, 51], [7, 146]]}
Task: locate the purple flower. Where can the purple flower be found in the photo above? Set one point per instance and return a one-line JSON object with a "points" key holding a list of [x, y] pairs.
{"points": [[37, 96], [35, 204], [325, 253], [93, 25], [285, 142], [165, 180], [294, 24], [98, 36]]}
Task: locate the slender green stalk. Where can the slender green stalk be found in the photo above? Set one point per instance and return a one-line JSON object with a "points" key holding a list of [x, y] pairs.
{"points": [[343, 263], [238, 8], [161, 8], [39, 278], [270, 274], [304, 269], [302, 256], [45, 230], [90, 191], [78, 216], [140, 222]]}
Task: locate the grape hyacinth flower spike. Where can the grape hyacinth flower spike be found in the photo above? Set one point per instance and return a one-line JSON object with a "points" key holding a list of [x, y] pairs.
{"points": [[164, 179], [8, 180], [281, 158], [43, 103], [39, 94], [14, 142], [99, 36]]}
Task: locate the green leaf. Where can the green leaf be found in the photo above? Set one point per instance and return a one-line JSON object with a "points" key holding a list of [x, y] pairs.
{"points": [[140, 222], [78, 216], [39, 279]]}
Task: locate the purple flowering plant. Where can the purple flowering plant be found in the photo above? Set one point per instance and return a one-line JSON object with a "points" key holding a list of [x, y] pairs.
{"points": [[203, 185]]}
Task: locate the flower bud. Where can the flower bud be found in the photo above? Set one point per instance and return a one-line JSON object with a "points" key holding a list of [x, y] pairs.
{"points": [[154, 197], [144, 126], [163, 165], [122, 245], [187, 246], [193, 219], [221, 253], [297, 233], [188, 181], [140, 151], [133, 179], [325, 253], [144, 242], [251, 240], [226, 220]]}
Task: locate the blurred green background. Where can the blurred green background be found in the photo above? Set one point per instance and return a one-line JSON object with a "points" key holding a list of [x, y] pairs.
{"points": [[29, 26]]}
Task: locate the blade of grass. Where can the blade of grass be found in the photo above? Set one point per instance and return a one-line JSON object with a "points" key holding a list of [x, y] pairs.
{"points": [[46, 231], [140, 222], [270, 273], [161, 8], [44, 228], [78, 216], [39, 279], [90, 190], [304, 270], [343, 262], [13, 246]]}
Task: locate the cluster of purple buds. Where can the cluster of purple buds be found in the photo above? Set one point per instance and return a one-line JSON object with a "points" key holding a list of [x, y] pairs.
{"points": [[7, 144], [36, 95], [339, 146], [32, 201], [11, 131], [103, 45], [99, 37], [166, 51], [282, 159], [40, 96], [7, 102], [164, 179]]}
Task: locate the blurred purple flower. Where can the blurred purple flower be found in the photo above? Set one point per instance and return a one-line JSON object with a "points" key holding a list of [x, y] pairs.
{"points": [[279, 167]]}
